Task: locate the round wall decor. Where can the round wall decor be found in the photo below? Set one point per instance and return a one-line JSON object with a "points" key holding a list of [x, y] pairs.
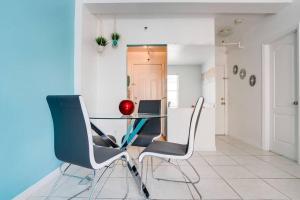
{"points": [[243, 73], [252, 80], [235, 69]]}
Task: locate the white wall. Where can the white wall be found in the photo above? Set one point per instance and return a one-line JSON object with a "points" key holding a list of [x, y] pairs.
{"points": [[245, 102], [111, 68], [179, 122], [160, 31], [87, 59], [189, 83], [208, 80]]}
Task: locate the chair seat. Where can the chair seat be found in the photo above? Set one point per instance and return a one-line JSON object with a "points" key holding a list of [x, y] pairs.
{"points": [[100, 142], [102, 154], [166, 148], [143, 140]]}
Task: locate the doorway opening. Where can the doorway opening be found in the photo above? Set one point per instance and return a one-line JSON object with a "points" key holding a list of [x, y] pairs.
{"points": [[147, 76]]}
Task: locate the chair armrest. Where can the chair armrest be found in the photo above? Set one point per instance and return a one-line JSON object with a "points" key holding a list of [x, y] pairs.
{"points": [[104, 137]]}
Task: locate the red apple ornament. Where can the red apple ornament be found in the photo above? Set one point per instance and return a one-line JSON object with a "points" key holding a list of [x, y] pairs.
{"points": [[126, 107]]}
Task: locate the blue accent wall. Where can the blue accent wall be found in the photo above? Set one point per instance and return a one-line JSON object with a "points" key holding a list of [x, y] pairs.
{"points": [[36, 59]]}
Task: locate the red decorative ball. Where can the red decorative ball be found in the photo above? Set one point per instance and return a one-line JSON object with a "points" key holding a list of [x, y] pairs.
{"points": [[126, 107]]}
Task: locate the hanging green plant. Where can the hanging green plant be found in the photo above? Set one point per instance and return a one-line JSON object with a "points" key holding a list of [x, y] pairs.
{"points": [[115, 39], [102, 42]]}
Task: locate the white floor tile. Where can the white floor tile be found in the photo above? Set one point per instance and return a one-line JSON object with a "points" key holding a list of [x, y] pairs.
{"points": [[168, 190], [195, 160], [277, 160], [290, 187], [268, 171], [255, 189], [247, 160], [219, 160], [117, 188], [211, 153], [204, 172], [215, 189], [233, 172], [291, 169]]}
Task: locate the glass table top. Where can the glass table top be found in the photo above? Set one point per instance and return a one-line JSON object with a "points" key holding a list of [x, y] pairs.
{"points": [[133, 116]]}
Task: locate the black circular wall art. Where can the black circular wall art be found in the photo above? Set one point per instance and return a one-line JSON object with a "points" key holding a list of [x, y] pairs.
{"points": [[235, 69], [243, 73], [252, 80]]}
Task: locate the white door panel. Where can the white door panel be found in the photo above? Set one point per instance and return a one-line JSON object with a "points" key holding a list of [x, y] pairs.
{"points": [[147, 82], [284, 71], [284, 93], [281, 131]]}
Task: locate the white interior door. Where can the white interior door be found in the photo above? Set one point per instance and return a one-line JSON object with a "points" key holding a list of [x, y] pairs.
{"points": [[147, 82], [284, 96]]}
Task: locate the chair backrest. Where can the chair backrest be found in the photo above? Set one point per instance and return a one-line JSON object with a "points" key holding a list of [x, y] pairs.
{"points": [[72, 130], [152, 126], [194, 125]]}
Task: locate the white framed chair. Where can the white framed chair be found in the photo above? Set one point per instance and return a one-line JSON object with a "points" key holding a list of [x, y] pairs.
{"points": [[167, 150], [73, 141]]}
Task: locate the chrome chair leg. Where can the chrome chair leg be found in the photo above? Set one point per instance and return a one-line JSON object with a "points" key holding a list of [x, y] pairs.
{"points": [[163, 179], [56, 185], [82, 191], [126, 179], [96, 181], [111, 166], [142, 170], [82, 179], [189, 180], [142, 184]]}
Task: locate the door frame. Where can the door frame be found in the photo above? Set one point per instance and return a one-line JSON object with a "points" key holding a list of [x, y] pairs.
{"points": [[267, 87], [226, 91], [164, 70]]}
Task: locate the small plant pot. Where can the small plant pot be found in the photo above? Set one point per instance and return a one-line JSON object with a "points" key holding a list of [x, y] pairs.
{"points": [[100, 48], [115, 43]]}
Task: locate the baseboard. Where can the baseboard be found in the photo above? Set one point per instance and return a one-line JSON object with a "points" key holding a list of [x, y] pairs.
{"points": [[37, 186]]}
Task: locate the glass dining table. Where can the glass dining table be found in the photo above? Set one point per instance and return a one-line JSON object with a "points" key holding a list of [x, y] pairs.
{"points": [[137, 121]]}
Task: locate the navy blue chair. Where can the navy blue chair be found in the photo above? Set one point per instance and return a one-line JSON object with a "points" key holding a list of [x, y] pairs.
{"points": [[73, 141]]}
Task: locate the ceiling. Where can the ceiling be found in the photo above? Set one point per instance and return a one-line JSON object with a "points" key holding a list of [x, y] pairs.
{"points": [[248, 22], [185, 7]]}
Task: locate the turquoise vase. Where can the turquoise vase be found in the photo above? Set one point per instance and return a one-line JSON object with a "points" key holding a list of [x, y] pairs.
{"points": [[115, 43]]}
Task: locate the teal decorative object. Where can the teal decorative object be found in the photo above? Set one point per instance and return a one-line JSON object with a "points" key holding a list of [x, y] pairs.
{"points": [[115, 43], [115, 39]]}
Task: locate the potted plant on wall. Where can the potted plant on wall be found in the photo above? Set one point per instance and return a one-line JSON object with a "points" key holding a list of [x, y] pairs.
{"points": [[102, 42], [115, 39]]}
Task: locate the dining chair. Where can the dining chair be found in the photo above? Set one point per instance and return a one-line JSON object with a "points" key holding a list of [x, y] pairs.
{"points": [[73, 141], [152, 128], [167, 150]]}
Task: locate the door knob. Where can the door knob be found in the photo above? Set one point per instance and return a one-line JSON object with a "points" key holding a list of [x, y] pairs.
{"points": [[222, 103], [295, 103]]}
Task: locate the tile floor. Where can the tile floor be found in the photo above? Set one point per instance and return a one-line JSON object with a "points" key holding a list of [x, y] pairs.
{"points": [[235, 171]]}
